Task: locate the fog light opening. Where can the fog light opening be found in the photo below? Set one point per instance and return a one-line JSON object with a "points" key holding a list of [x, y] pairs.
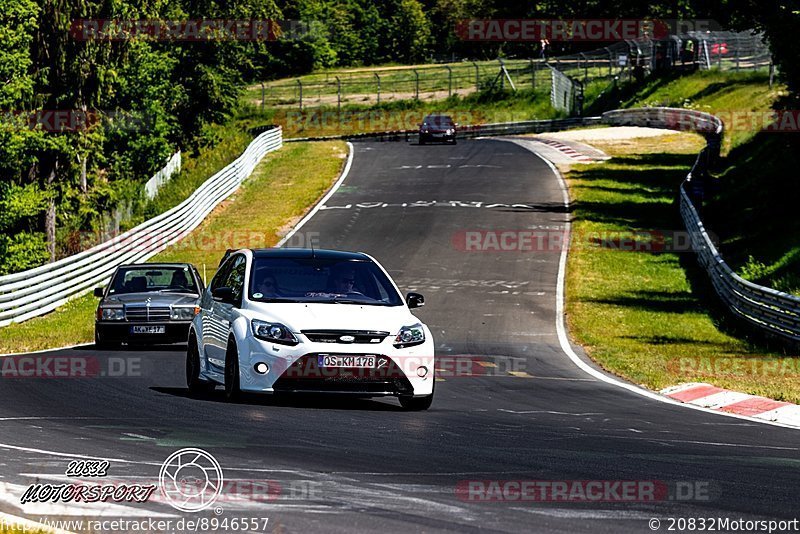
{"points": [[261, 368], [422, 371]]}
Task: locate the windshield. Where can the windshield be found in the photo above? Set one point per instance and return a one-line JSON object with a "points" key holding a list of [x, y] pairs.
{"points": [[146, 279], [323, 281], [438, 120]]}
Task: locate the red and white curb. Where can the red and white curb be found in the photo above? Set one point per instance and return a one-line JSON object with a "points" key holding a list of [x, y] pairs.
{"points": [[724, 400], [582, 156], [558, 152]]}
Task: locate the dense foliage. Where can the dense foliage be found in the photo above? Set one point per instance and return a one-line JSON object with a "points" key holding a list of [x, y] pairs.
{"points": [[139, 99]]}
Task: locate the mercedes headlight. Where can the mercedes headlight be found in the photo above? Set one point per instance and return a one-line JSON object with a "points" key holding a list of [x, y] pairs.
{"points": [[111, 314], [183, 313], [409, 336], [273, 332]]}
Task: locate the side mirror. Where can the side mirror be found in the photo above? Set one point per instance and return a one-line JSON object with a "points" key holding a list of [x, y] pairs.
{"points": [[223, 294], [415, 300], [98, 291]]}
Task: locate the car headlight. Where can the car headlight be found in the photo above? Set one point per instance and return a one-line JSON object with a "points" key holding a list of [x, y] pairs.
{"points": [[409, 336], [111, 314], [450, 131], [273, 332], [183, 313]]}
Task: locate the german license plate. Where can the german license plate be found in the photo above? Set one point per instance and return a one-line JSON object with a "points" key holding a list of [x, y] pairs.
{"points": [[338, 360], [148, 329]]}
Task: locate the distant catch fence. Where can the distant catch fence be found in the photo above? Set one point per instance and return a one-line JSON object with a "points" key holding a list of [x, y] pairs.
{"points": [[565, 77]]}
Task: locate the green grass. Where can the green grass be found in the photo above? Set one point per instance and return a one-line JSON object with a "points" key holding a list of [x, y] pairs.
{"points": [[643, 315], [70, 324], [754, 210], [283, 187], [720, 93]]}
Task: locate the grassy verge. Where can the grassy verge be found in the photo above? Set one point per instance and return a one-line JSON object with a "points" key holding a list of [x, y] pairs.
{"points": [[280, 190], [754, 209], [643, 315]]}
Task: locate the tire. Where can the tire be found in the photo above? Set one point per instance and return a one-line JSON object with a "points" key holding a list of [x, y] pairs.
{"points": [[101, 342], [417, 404], [197, 386], [421, 141], [232, 390]]}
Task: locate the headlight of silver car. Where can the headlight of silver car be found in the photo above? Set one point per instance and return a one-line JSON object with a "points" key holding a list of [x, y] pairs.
{"points": [[182, 313], [112, 314], [273, 332], [409, 336]]}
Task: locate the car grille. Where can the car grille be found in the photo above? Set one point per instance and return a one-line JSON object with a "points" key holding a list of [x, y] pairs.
{"points": [[304, 375], [145, 314], [332, 336]]}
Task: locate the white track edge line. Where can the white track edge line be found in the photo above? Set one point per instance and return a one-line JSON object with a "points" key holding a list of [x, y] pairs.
{"points": [[65, 347], [561, 329], [329, 194]]}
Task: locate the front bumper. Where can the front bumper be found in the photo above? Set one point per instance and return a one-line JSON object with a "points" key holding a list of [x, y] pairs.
{"points": [[437, 136], [295, 369], [119, 331]]}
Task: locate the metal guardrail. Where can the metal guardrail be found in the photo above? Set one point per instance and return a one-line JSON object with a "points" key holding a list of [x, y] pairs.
{"points": [[163, 176], [766, 308], [37, 291]]}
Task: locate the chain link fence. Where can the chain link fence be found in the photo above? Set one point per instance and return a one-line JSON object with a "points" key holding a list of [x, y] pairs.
{"points": [[565, 76], [375, 86]]}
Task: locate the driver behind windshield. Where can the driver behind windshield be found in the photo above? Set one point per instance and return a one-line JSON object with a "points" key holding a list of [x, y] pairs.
{"points": [[344, 280], [267, 286]]}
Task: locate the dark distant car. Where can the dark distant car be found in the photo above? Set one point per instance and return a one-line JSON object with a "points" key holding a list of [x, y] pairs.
{"points": [[437, 127], [148, 303]]}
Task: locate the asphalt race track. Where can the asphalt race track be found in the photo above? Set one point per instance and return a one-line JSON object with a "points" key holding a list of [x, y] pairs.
{"points": [[523, 412]]}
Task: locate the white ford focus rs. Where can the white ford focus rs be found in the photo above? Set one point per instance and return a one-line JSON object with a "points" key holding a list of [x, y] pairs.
{"points": [[313, 321]]}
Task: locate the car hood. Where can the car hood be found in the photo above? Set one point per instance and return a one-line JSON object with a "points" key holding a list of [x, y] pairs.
{"points": [[313, 316], [156, 299]]}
